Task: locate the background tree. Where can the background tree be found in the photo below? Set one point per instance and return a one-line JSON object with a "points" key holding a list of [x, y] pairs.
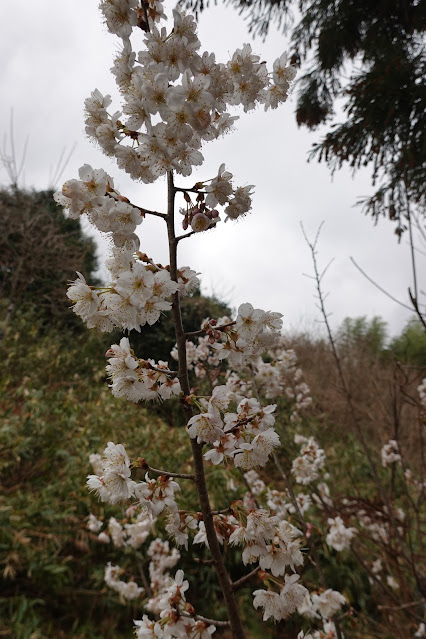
{"points": [[410, 345], [359, 334], [40, 250]]}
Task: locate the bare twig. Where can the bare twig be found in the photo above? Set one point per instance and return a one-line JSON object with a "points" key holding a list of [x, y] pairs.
{"points": [[184, 236], [203, 332], [412, 604], [167, 474], [379, 287], [243, 580], [212, 622]]}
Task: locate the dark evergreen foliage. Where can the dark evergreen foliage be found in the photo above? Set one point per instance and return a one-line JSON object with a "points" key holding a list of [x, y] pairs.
{"points": [[40, 250]]}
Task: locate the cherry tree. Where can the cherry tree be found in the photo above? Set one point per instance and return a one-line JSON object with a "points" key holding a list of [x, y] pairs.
{"points": [[175, 99]]}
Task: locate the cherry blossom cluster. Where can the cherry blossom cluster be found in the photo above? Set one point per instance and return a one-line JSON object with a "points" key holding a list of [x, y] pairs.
{"points": [[323, 604], [201, 357], [390, 453], [176, 620], [247, 437], [166, 600], [421, 389], [240, 342], [254, 332], [284, 549], [162, 559], [94, 196], [306, 468], [174, 98], [141, 290], [133, 532], [280, 605], [136, 379], [115, 485], [127, 589], [339, 536], [273, 379]]}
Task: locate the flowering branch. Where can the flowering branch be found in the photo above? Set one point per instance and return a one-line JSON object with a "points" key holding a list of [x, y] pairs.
{"points": [[231, 604]]}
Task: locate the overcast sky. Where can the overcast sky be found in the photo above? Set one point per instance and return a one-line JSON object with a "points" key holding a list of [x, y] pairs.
{"points": [[54, 53]]}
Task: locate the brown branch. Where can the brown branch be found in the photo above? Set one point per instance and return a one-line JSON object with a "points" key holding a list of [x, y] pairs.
{"points": [[167, 474], [212, 622], [144, 211], [416, 308], [380, 583], [182, 237], [179, 189], [203, 332], [378, 286], [197, 449], [243, 580], [412, 604]]}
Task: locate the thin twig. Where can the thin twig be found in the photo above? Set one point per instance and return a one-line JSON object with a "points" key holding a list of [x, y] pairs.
{"points": [[167, 474], [212, 622], [412, 604], [182, 237], [203, 332], [182, 190], [416, 308], [379, 287], [243, 580]]}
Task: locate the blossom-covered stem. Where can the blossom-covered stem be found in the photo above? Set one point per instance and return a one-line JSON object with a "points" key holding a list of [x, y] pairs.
{"points": [[241, 582], [167, 474], [301, 519], [289, 488], [302, 522], [197, 449]]}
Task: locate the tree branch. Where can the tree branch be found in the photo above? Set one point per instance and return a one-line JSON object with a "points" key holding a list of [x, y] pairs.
{"points": [[197, 449], [243, 580]]}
